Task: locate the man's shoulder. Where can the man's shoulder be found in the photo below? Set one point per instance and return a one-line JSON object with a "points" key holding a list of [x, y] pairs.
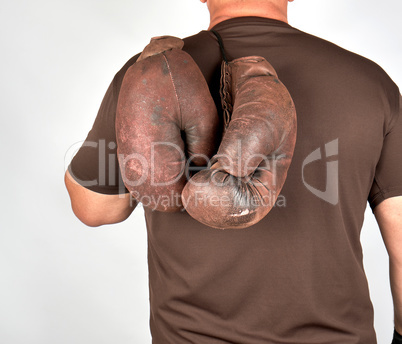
{"points": [[118, 78], [305, 48], [192, 45], [327, 52]]}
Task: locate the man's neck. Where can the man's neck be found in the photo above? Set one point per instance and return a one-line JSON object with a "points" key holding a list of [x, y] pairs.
{"points": [[252, 8]]}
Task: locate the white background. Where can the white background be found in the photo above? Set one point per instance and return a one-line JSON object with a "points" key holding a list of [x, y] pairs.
{"points": [[60, 281]]}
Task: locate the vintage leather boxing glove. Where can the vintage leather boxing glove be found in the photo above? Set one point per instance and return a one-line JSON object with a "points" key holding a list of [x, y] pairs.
{"points": [[165, 118], [250, 168]]}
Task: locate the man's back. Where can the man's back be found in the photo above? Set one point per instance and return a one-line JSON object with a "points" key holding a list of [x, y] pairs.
{"points": [[297, 276]]}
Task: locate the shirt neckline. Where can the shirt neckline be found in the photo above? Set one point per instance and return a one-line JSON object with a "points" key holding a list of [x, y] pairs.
{"points": [[249, 20]]}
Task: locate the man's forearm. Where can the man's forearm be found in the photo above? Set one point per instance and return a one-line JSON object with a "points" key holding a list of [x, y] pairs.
{"points": [[395, 272], [389, 217]]}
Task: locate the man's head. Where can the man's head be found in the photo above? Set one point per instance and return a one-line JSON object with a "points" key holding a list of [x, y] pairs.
{"points": [[221, 10]]}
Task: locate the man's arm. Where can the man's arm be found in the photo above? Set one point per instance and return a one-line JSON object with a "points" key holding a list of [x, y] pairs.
{"points": [[96, 209], [389, 217]]}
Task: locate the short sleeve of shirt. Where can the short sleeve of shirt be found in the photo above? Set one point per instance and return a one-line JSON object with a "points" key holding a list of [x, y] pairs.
{"points": [[388, 176], [95, 166]]}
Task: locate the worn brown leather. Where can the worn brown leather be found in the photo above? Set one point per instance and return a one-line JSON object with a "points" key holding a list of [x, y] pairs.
{"points": [[165, 116], [160, 44], [251, 165]]}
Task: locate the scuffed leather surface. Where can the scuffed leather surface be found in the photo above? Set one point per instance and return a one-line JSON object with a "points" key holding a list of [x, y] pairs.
{"points": [[164, 98], [160, 44], [251, 165]]}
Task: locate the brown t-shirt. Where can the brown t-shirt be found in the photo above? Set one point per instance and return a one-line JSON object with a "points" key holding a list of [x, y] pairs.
{"points": [[297, 276]]}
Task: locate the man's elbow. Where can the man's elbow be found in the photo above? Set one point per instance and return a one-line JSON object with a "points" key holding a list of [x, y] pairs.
{"points": [[94, 218], [88, 219], [94, 209]]}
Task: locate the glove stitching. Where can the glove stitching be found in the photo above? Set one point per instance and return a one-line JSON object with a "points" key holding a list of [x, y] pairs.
{"points": [[175, 90]]}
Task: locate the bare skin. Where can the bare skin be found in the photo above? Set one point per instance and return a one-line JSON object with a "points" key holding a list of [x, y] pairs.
{"points": [[95, 209], [221, 10], [389, 217]]}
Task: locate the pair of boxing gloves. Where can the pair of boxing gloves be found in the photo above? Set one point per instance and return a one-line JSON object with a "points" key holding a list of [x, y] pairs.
{"points": [[167, 125]]}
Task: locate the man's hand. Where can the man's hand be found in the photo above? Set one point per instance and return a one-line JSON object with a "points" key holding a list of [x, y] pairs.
{"points": [[389, 217], [95, 209]]}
